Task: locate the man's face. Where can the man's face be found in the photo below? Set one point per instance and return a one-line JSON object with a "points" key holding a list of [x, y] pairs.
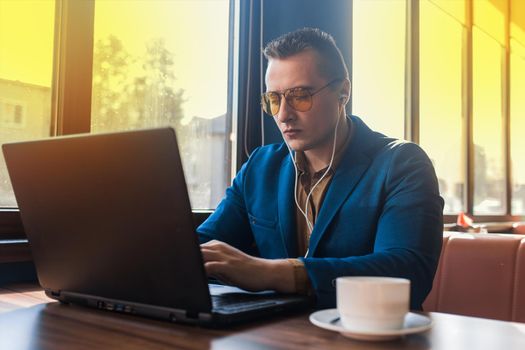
{"points": [[312, 129]]}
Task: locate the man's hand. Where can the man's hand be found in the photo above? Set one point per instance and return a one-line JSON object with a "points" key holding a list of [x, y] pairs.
{"points": [[234, 267]]}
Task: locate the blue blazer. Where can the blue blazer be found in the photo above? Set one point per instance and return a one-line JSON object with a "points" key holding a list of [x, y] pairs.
{"points": [[381, 215]]}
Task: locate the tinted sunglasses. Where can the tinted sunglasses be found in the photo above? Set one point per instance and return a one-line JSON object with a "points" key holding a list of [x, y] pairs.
{"points": [[298, 98]]}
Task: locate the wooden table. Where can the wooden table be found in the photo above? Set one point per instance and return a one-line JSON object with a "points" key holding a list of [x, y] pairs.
{"points": [[29, 320]]}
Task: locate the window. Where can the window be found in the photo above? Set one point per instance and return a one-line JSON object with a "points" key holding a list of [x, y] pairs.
{"points": [[517, 113], [26, 65], [488, 127], [467, 111], [441, 102], [489, 166], [175, 71], [171, 70], [12, 113], [159, 63], [517, 105], [378, 64]]}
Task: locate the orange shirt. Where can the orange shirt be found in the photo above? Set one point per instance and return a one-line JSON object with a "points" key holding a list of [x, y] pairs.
{"points": [[305, 182]]}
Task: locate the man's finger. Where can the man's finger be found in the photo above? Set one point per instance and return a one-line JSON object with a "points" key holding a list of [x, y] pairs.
{"points": [[211, 255], [213, 243], [214, 268], [223, 279]]}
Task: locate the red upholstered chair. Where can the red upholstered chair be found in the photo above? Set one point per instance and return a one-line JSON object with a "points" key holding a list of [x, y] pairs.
{"points": [[480, 275], [518, 228]]}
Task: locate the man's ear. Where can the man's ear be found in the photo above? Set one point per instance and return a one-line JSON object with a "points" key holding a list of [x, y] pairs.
{"points": [[344, 94]]}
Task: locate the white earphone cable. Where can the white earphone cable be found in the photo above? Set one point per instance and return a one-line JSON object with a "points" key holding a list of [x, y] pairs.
{"points": [[304, 212], [310, 225]]}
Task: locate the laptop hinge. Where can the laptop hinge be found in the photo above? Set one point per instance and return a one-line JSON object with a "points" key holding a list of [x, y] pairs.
{"points": [[183, 315], [177, 315], [204, 316], [52, 293]]}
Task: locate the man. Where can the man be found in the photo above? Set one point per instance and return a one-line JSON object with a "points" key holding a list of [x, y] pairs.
{"points": [[364, 204]]}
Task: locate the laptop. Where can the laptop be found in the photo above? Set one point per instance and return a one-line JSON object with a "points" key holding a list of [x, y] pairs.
{"points": [[109, 223]]}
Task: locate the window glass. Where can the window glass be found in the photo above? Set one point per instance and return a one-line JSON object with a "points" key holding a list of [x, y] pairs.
{"points": [[489, 16], [441, 99], [378, 64], [517, 22], [26, 66], [517, 104], [517, 117], [453, 8], [489, 166], [165, 63]]}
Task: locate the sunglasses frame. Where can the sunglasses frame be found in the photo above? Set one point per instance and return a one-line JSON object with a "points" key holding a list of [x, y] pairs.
{"points": [[287, 92]]}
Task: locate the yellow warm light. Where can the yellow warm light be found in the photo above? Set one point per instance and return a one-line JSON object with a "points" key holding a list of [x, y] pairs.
{"points": [[378, 64], [26, 41], [517, 110], [453, 8], [441, 105], [194, 32], [517, 24], [379, 87], [489, 15]]}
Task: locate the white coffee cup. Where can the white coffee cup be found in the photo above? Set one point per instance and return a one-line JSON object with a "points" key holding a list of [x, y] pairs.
{"points": [[372, 303]]}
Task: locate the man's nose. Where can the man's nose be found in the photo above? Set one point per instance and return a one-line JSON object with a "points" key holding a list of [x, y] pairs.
{"points": [[286, 113]]}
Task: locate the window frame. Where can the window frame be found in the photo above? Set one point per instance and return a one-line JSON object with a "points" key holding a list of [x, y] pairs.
{"points": [[412, 106], [71, 91], [70, 95], [71, 101]]}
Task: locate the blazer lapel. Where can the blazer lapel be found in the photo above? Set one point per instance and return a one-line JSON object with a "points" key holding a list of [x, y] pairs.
{"points": [[350, 170], [286, 207]]}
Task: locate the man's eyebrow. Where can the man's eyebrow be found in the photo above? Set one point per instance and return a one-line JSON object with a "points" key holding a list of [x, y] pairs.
{"points": [[303, 87], [306, 87]]}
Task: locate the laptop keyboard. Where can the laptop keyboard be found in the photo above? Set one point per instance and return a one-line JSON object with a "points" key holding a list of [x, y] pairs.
{"points": [[238, 302]]}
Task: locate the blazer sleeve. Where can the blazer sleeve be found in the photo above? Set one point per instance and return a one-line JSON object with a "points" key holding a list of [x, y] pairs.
{"points": [[408, 237], [229, 222]]}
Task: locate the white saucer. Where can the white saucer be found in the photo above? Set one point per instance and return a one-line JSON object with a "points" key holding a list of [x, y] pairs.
{"points": [[329, 319]]}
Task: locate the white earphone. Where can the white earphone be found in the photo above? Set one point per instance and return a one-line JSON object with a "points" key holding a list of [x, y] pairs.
{"points": [[343, 99], [305, 211]]}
